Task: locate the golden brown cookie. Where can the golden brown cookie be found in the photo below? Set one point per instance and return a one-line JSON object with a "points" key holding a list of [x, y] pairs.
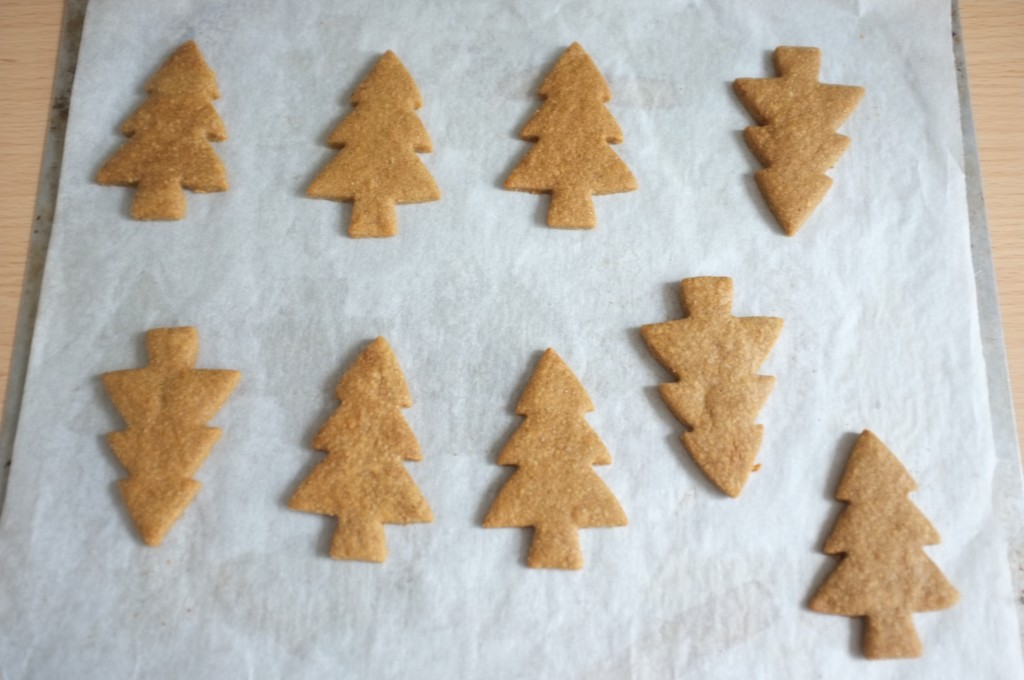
{"points": [[571, 159], [165, 406], [362, 481], [377, 166], [884, 575], [170, 134], [795, 141], [555, 490], [715, 357]]}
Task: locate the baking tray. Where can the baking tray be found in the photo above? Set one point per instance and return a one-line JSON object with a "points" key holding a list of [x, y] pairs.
{"points": [[1009, 481]]}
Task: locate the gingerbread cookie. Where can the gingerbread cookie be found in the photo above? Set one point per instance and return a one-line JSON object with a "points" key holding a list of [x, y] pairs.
{"points": [[377, 165], [795, 140], [165, 406], [555, 490], [362, 481], [715, 357], [571, 159], [884, 575], [169, 147]]}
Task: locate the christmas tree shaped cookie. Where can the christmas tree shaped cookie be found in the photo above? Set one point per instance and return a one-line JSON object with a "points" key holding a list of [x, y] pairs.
{"points": [[884, 575], [377, 165], [571, 159], [555, 490], [170, 134], [165, 406], [715, 356], [362, 481], [796, 139]]}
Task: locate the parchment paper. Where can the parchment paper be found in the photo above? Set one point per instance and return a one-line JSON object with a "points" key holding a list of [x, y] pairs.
{"points": [[881, 332]]}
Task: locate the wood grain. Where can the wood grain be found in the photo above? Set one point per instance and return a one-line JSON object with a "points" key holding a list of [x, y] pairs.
{"points": [[29, 33], [993, 32]]}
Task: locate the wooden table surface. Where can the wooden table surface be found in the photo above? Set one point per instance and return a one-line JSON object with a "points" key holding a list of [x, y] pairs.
{"points": [[993, 35]]}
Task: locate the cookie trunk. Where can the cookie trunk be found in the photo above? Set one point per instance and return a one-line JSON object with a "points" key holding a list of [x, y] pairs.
{"points": [[891, 636], [555, 547], [158, 199], [363, 541], [373, 219], [572, 208]]}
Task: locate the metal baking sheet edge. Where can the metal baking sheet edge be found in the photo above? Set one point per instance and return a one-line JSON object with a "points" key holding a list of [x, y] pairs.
{"points": [[42, 224], [1008, 488]]}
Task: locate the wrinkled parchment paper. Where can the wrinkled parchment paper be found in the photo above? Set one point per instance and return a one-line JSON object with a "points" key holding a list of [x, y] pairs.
{"points": [[881, 332]]}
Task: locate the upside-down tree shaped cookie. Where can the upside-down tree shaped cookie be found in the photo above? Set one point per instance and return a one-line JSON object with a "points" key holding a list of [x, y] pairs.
{"points": [[377, 165], [165, 406], [796, 139], [170, 134], [555, 490], [362, 481], [571, 159], [715, 357], [884, 575]]}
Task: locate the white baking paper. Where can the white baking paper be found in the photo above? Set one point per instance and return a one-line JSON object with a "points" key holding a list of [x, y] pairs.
{"points": [[881, 332]]}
